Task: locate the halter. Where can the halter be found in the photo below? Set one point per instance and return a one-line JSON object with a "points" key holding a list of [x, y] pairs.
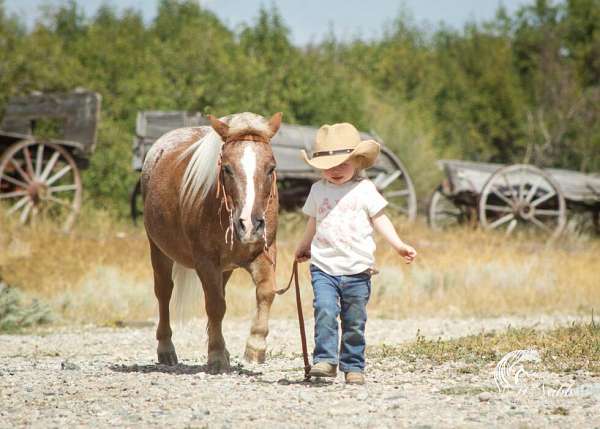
{"points": [[222, 195]]}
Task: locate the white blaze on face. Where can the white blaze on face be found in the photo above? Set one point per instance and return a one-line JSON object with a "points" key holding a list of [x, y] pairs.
{"points": [[249, 167]]}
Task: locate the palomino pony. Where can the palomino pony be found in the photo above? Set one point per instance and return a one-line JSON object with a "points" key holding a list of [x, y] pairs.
{"points": [[210, 206]]}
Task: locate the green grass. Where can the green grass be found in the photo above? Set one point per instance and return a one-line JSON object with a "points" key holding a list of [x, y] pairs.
{"points": [[18, 313]]}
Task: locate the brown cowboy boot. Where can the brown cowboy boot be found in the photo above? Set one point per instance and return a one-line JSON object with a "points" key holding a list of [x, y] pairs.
{"points": [[355, 378], [323, 369]]}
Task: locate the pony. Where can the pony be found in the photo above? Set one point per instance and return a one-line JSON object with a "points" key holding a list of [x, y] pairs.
{"points": [[210, 206]]}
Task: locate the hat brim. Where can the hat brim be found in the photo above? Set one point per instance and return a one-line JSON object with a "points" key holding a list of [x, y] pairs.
{"points": [[365, 152]]}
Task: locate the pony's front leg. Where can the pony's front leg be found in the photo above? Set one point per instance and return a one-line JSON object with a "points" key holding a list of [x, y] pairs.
{"points": [[263, 274], [214, 299]]}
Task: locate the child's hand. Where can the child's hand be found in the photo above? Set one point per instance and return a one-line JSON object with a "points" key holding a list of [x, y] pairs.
{"points": [[407, 252], [302, 253]]}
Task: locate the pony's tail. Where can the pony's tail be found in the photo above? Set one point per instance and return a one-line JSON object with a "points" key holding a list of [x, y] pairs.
{"points": [[187, 298]]}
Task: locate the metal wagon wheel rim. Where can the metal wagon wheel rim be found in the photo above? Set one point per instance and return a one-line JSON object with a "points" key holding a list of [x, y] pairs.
{"points": [[395, 185], [39, 177], [520, 196], [442, 213]]}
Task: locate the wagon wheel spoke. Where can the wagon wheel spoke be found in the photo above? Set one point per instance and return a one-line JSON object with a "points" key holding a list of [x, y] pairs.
{"points": [[501, 220], [402, 193], [389, 179], [26, 211], [20, 171], [521, 193], [38, 160], [532, 191], [13, 181], [539, 224], [50, 166], [398, 207], [510, 188], [18, 205], [543, 198], [511, 226], [58, 175], [28, 162], [392, 180], [498, 208], [63, 188], [58, 201], [13, 194], [500, 195], [545, 212]]}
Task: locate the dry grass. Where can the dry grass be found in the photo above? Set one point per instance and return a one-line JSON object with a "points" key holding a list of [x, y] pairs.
{"points": [[101, 272]]}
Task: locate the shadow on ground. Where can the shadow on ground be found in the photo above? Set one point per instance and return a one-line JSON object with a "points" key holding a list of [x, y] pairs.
{"points": [[184, 369], [179, 369]]}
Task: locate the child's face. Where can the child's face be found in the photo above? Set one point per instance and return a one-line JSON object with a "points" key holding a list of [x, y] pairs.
{"points": [[340, 173]]}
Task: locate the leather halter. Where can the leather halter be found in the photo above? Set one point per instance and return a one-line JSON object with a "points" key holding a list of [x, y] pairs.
{"points": [[247, 136]]}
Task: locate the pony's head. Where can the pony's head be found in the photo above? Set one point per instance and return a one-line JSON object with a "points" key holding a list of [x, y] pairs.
{"points": [[247, 170]]}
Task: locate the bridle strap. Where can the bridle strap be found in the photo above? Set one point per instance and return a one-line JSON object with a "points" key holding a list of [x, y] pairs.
{"points": [[246, 136]]}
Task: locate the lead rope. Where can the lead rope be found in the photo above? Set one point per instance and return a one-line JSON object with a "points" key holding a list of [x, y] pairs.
{"points": [[294, 277]]}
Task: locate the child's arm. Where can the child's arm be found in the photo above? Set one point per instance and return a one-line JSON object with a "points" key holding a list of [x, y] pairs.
{"points": [[303, 250], [384, 226]]}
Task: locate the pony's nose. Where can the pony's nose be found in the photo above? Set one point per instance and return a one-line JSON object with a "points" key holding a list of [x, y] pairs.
{"points": [[242, 225], [259, 225]]}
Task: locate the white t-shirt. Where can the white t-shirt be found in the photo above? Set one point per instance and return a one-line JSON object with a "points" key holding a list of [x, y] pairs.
{"points": [[343, 243]]}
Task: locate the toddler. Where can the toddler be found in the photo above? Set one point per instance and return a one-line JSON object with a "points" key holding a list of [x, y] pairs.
{"points": [[343, 208]]}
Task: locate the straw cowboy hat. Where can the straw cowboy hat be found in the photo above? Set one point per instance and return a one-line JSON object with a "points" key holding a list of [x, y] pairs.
{"points": [[338, 143]]}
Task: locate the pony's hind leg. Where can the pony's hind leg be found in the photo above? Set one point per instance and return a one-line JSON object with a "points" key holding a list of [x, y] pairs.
{"points": [[214, 300], [163, 288], [263, 274]]}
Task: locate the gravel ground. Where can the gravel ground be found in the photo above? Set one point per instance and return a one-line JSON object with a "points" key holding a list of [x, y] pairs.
{"points": [[107, 377]]}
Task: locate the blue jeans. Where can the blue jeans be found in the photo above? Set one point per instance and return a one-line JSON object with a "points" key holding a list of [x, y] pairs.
{"points": [[344, 296]]}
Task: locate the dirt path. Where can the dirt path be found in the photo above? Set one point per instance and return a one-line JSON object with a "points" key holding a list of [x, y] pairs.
{"points": [[106, 377]]}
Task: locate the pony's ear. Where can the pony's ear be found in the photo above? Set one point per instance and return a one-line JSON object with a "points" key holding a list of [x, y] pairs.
{"points": [[220, 127], [275, 122]]}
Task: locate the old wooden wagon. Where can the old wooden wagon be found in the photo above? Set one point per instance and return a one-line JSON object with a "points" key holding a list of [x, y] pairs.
{"points": [[45, 139], [512, 197], [294, 175]]}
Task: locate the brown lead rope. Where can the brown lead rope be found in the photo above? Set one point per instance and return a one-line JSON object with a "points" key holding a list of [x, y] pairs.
{"points": [[294, 277]]}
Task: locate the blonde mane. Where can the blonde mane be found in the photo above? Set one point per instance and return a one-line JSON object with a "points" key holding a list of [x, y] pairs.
{"points": [[201, 172]]}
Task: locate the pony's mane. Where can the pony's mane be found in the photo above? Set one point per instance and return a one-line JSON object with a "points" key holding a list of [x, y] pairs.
{"points": [[201, 172]]}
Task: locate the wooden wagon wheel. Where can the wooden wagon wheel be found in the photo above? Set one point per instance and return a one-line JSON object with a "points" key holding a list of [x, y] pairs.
{"points": [[443, 212], [522, 196], [135, 202], [40, 178], [392, 180]]}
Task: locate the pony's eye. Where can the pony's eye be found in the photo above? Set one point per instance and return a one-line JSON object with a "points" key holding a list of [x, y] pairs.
{"points": [[227, 169]]}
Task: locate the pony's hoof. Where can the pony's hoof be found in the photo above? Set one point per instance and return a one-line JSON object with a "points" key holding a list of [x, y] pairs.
{"points": [[254, 355], [218, 362], [166, 354]]}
